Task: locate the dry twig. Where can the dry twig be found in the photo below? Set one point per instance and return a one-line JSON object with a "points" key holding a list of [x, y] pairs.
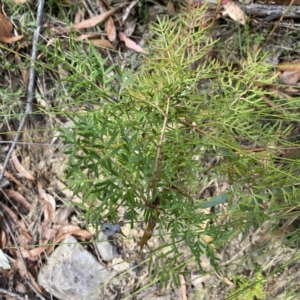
{"points": [[31, 85], [5, 292]]}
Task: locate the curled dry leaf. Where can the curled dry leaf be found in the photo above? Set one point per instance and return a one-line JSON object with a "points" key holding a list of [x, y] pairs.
{"points": [[48, 233], [22, 171], [290, 77], [130, 43], [6, 30], [10, 40], [22, 225], [68, 230], [81, 233], [10, 213], [26, 234], [32, 252], [71, 229], [235, 12], [110, 29], [6, 26], [17, 197], [48, 212], [10, 177]]}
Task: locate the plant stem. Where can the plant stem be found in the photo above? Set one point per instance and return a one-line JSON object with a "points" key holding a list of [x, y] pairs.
{"points": [[159, 146]]}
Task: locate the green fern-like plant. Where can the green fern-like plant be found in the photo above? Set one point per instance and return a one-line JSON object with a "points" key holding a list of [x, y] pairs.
{"points": [[249, 290], [157, 137]]}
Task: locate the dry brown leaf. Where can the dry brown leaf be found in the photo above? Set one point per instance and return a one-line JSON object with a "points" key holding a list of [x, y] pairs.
{"points": [[72, 230], [48, 212], [34, 283], [3, 239], [32, 252], [102, 43], [10, 177], [6, 28], [78, 17], [235, 12], [22, 171], [92, 22], [22, 225], [11, 214], [110, 29], [130, 43], [87, 36], [10, 40], [47, 197], [68, 230], [26, 234], [290, 77], [17, 197], [292, 90], [147, 233], [48, 233], [19, 265], [83, 234]]}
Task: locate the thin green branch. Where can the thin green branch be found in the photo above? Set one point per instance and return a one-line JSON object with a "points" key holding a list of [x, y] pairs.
{"points": [[159, 147]]}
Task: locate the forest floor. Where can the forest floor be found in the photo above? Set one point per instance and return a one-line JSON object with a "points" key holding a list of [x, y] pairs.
{"points": [[34, 193]]}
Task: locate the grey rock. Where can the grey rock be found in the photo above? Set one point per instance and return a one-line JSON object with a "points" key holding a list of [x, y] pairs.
{"points": [[73, 273], [107, 249]]}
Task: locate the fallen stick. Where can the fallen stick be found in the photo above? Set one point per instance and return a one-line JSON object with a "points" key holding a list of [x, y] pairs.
{"points": [[270, 12], [267, 11]]}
